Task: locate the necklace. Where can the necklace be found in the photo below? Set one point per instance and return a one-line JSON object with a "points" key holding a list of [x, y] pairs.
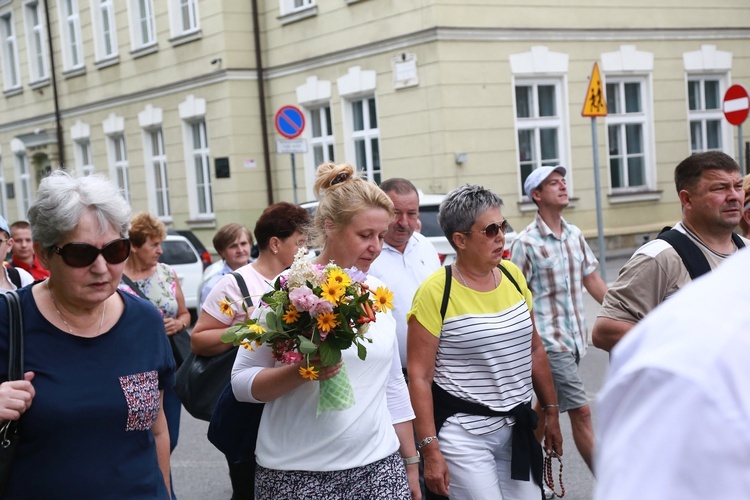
{"points": [[54, 304], [494, 277]]}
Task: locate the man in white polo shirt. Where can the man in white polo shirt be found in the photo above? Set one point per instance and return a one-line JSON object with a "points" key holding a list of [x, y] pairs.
{"points": [[407, 257]]}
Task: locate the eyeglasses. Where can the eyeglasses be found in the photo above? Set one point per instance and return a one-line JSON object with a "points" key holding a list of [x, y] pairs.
{"points": [[83, 254], [491, 229]]}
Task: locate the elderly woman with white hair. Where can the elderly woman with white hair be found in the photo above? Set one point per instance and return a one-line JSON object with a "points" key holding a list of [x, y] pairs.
{"points": [[96, 360]]}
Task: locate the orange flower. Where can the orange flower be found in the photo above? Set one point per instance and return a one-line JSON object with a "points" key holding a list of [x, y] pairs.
{"points": [[225, 306], [332, 291], [291, 316], [308, 372], [327, 322]]}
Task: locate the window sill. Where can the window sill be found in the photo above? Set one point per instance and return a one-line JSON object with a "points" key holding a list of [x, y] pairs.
{"points": [[144, 51], [634, 196], [71, 73], [298, 15], [39, 84], [189, 36], [349, 2], [104, 63], [13, 91], [208, 223]]}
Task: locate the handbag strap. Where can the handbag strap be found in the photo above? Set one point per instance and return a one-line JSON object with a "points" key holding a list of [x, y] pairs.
{"points": [[243, 288], [15, 334], [133, 286]]}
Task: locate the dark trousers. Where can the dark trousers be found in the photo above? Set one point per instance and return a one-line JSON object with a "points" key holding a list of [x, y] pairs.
{"points": [[242, 476]]}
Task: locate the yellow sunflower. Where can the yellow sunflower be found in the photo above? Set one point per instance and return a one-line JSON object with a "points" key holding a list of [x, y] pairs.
{"points": [[309, 372], [225, 306], [339, 276], [332, 291], [383, 299], [327, 322], [291, 316], [256, 328]]}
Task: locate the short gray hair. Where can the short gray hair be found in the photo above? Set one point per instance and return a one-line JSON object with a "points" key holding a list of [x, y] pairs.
{"points": [[63, 199], [461, 207]]}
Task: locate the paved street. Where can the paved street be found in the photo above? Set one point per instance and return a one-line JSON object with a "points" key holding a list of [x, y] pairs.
{"points": [[200, 472]]}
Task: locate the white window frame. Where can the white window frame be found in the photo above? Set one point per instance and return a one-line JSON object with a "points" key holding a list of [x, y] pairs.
{"points": [[84, 157], [22, 167], [36, 42], [70, 33], [105, 30], [199, 160], [155, 157], [117, 152], [181, 11], [287, 7], [11, 68], [536, 124], [359, 86], [3, 193], [142, 23], [315, 94], [540, 66], [192, 112], [703, 115]]}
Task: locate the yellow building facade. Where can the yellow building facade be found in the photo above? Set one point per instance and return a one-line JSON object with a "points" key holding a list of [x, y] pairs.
{"points": [[175, 99]]}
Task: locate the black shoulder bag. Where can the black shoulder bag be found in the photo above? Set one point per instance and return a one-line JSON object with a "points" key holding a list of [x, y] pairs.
{"points": [[201, 379], [10, 433], [180, 341]]}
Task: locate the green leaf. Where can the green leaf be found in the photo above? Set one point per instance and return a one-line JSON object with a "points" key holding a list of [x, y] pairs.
{"points": [[273, 321], [305, 346], [329, 355], [361, 351]]}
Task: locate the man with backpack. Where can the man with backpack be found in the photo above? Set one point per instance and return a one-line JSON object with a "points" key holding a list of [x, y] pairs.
{"points": [[12, 278], [709, 186]]}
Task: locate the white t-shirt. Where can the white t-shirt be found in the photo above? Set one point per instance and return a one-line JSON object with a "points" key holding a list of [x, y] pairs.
{"points": [[292, 437], [227, 287], [403, 273], [673, 414], [26, 279]]}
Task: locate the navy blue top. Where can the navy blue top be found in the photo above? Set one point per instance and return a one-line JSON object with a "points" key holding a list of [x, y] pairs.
{"points": [[88, 432]]}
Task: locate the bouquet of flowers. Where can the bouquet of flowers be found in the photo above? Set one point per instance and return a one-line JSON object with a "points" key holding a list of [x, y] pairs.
{"points": [[314, 309]]}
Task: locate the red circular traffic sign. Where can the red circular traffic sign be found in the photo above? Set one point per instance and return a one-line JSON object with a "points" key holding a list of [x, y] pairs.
{"points": [[736, 104], [289, 121]]}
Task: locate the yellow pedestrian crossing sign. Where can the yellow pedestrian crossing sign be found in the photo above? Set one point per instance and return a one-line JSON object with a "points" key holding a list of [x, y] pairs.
{"points": [[595, 105]]}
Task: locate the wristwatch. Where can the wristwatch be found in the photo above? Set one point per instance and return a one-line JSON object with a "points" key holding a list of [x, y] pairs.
{"points": [[411, 460]]}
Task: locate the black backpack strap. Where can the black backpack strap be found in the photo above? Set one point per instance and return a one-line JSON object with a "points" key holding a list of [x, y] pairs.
{"points": [[125, 279], [692, 257], [243, 288], [511, 278], [446, 291], [14, 275], [738, 241]]}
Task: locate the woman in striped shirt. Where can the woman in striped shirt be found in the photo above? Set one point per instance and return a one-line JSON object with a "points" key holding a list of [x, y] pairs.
{"points": [[474, 361]]}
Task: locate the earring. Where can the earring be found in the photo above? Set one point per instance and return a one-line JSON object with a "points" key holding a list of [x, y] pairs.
{"points": [[275, 252]]}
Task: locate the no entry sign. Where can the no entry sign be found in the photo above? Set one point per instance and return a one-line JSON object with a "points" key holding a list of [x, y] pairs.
{"points": [[736, 104], [289, 121]]}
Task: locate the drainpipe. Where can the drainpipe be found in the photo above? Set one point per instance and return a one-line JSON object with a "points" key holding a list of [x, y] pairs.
{"points": [[262, 102], [56, 97]]}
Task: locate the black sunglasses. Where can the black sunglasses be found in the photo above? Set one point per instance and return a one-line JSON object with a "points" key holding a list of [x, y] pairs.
{"points": [[83, 254], [492, 229]]}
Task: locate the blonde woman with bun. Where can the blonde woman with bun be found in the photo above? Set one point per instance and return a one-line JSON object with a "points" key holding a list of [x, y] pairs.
{"points": [[368, 450]]}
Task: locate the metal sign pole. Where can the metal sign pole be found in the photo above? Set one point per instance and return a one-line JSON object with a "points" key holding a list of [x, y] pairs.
{"points": [[294, 179], [599, 223]]}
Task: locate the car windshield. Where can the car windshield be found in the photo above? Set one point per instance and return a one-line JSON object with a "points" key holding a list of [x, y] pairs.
{"points": [[177, 252]]}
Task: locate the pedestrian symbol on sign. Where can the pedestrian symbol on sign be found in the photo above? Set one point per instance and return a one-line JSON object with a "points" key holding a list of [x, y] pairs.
{"points": [[594, 105]]}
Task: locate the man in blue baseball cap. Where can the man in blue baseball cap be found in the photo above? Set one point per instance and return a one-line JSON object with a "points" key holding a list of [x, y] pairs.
{"points": [[556, 260]]}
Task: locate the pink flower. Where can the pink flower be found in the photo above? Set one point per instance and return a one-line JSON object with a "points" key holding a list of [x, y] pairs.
{"points": [[320, 307], [302, 298], [291, 358]]}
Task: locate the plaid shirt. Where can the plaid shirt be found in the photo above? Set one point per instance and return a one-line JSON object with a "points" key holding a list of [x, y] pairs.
{"points": [[554, 269]]}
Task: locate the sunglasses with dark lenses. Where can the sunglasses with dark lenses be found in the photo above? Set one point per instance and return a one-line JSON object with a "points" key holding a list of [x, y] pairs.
{"points": [[83, 254], [492, 229]]}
